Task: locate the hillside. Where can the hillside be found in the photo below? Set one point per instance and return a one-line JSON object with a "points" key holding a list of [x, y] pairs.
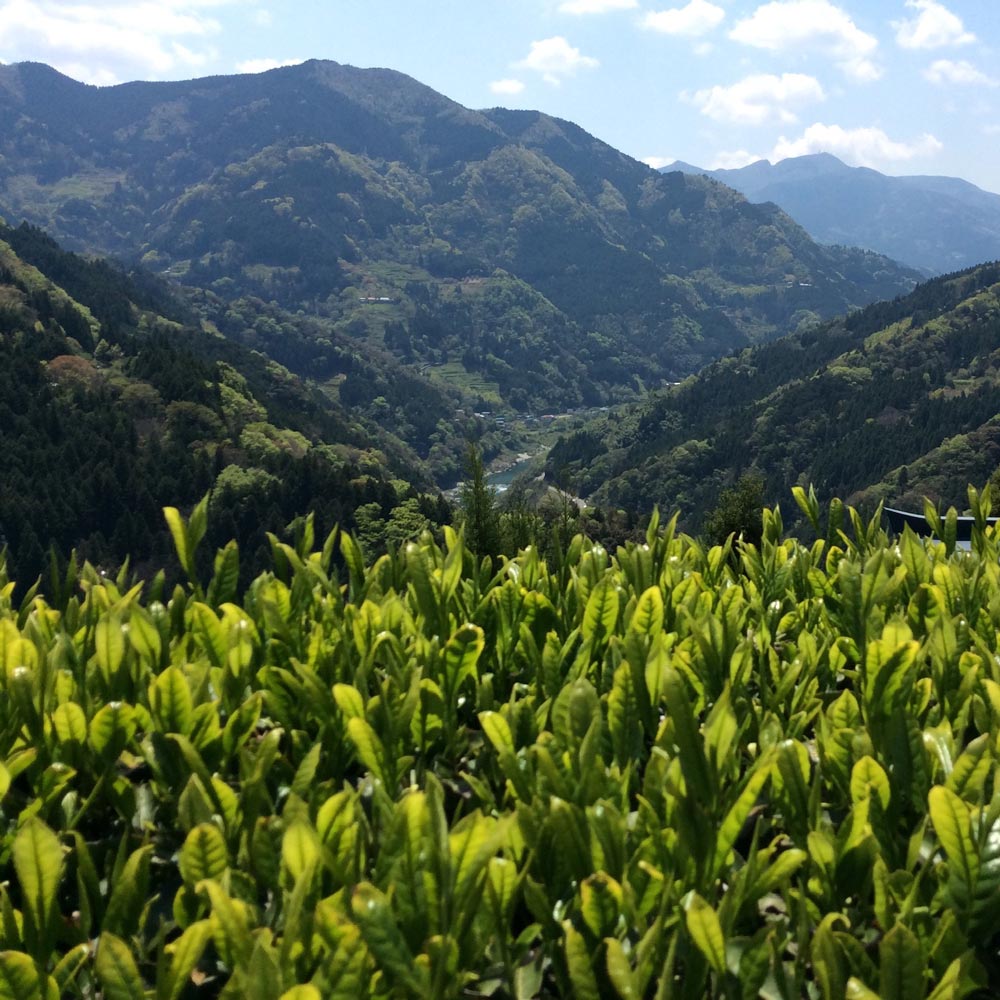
{"points": [[115, 401], [508, 249], [935, 224], [895, 402]]}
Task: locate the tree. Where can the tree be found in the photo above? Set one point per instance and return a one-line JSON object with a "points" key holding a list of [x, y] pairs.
{"points": [[405, 523], [479, 508], [370, 528], [738, 512], [520, 522]]}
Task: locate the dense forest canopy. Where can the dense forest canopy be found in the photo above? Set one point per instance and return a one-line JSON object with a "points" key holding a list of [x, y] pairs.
{"points": [[893, 402], [115, 402]]}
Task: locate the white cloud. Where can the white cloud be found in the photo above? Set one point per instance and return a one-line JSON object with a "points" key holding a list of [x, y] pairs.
{"points": [[263, 65], [508, 86], [802, 25], [733, 160], [933, 28], [262, 18], [555, 58], [89, 74], [863, 147], [759, 98], [960, 71], [658, 161], [697, 18], [992, 129], [596, 6], [102, 43]]}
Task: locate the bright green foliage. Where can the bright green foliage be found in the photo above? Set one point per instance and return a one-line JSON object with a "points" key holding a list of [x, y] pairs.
{"points": [[667, 772]]}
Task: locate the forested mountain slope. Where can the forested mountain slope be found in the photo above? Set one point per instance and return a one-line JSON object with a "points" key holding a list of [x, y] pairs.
{"points": [[936, 224], [498, 246], [895, 402], [115, 402]]}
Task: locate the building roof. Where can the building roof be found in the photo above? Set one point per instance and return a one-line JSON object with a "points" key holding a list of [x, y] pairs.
{"points": [[899, 519]]}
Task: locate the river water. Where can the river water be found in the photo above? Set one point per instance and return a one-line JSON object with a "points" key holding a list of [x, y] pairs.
{"points": [[500, 481]]}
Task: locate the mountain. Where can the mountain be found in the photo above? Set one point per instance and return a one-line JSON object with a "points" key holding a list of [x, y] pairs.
{"points": [[935, 224], [895, 402], [116, 400], [506, 254]]}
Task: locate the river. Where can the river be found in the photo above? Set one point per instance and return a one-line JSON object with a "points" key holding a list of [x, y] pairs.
{"points": [[500, 481]]}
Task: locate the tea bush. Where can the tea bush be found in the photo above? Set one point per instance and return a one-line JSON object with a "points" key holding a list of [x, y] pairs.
{"points": [[672, 771]]}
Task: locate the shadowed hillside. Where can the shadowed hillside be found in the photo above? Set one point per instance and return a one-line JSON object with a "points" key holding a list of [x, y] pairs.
{"points": [[896, 401]]}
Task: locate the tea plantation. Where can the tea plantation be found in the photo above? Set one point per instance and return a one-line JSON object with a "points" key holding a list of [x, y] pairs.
{"points": [[665, 772]]}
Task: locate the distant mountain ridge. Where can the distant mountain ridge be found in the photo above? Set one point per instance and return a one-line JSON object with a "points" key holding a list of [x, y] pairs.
{"points": [[509, 249], [935, 224]]}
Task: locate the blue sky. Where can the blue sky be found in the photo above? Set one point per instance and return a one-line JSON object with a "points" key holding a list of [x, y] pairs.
{"points": [[905, 86]]}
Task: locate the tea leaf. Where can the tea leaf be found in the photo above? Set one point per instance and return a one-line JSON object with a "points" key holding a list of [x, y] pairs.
{"points": [[306, 772], [116, 970], [371, 909], [950, 817], [306, 992], [581, 973], [692, 752], [647, 618], [38, 862], [110, 640], [602, 611], [171, 703], [230, 924], [69, 966], [856, 990], [461, 656], [185, 953], [371, 752], [706, 931], [868, 776], [300, 850], [620, 972], [203, 855], [111, 729], [19, 978], [901, 965], [601, 901], [128, 897], [738, 813], [70, 723]]}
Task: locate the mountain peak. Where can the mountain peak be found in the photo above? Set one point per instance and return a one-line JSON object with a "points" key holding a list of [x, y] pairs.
{"points": [[815, 158], [809, 165], [936, 224], [683, 167], [38, 78]]}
